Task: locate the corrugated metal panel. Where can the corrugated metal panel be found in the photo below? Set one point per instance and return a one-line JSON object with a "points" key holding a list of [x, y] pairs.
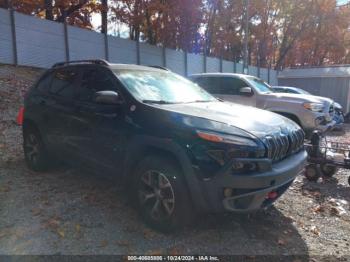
{"points": [[252, 70], [39, 42], [334, 88], [6, 51], [150, 55], [175, 61], [227, 66], [122, 50], [264, 74], [337, 71], [195, 64], [213, 65], [239, 68], [273, 77], [85, 44]]}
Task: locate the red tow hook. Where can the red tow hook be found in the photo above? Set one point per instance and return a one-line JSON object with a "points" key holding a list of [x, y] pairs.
{"points": [[272, 195], [20, 115]]}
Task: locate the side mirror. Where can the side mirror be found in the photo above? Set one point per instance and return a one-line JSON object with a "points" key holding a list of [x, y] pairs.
{"points": [[107, 97], [246, 91]]}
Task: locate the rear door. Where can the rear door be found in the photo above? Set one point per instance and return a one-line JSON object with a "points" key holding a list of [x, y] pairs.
{"points": [[60, 104]]}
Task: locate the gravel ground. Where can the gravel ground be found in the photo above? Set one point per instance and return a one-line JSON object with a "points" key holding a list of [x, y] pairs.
{"points": [[71, 211]]}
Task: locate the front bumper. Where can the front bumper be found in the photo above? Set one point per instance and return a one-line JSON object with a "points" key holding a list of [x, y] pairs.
{"points": [[316, 121], [251, 191]]}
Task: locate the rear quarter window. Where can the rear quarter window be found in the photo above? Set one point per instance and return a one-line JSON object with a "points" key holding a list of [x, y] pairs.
{"points": [[63, 83], [44, 82]]}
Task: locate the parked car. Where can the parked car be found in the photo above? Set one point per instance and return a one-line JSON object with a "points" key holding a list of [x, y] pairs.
{"points": [[289, 89], [338, 109], [178, 150], [310, 112]]}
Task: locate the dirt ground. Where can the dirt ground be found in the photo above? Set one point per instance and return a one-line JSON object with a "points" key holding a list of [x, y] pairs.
{"points": [[70, 211]]}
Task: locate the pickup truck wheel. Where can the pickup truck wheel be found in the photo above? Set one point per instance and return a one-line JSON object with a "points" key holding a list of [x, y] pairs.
{"points": [[35, 152], [161, 194], [328, 170], [312, 172]]}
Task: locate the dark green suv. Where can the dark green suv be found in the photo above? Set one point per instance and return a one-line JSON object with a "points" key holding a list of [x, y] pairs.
{"points": [[177, 149]]}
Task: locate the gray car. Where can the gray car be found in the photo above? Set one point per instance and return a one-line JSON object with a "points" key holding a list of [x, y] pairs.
{"points": [[310, 112], [338, 109]]}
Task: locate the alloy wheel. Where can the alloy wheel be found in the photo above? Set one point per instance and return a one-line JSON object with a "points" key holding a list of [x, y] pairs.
{"points": [[156, 195]]}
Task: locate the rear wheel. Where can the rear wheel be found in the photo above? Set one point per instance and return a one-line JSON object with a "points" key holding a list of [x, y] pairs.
{"points": [[161, 194], [35, 152]]}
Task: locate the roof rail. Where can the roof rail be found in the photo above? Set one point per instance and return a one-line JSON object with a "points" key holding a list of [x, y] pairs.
{"points": [[159, 67], [88, 61]]}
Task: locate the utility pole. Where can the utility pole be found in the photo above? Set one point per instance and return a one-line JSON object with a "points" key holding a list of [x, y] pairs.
{"points": [[246, 29]]}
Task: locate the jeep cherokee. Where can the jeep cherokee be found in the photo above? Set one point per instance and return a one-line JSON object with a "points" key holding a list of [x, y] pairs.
{"points": [[178, 149]]}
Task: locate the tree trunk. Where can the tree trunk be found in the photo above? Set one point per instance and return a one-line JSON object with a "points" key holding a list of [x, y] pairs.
{"points": [[48, 10], [104, 13]]}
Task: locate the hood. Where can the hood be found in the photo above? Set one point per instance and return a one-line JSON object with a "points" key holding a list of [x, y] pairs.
{"points": [[252, 120], [301, 98]]}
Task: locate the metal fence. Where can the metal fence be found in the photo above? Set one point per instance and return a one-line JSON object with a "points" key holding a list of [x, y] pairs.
{"points": [[332, 82], [31, 41]]}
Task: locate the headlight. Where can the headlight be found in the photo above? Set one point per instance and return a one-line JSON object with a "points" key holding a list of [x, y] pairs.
{"points": [[221, 138], [316, 107]]}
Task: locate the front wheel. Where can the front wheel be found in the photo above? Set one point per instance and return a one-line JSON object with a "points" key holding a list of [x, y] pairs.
{"points": [[161, 194], [328, 170], [312, 172]]}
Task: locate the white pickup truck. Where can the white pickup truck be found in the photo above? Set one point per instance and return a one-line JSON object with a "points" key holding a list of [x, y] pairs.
{"points": [[310, 112]]}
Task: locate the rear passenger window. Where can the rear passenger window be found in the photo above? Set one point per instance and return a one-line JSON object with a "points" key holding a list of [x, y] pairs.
{"points": [[45, 82], [95, 80], [210, 84], [63, 83], [231, 86]]}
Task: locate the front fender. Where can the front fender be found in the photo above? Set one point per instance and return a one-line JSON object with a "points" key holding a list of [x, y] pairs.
{"points": [[139, 144]]}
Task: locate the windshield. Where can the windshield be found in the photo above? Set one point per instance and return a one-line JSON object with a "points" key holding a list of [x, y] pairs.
{"points": [[162, 87], [259, 84]]}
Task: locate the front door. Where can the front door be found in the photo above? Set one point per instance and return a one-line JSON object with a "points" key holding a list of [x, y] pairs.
{"points": [[230, 91], [99, 128]]}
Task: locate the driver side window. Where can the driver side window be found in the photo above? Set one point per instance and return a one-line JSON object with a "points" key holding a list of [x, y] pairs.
{"points": [[94, 80], [231, 86]]}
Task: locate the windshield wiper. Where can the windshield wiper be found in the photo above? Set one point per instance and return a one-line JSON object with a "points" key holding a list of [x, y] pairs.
{"points": [[200, 101], [162, 102]]}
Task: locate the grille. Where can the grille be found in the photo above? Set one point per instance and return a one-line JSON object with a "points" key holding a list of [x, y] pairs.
{"points": [[282, 145]]}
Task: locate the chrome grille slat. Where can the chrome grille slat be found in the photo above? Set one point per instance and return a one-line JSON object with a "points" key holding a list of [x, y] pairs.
{"points": [[280, 145]]}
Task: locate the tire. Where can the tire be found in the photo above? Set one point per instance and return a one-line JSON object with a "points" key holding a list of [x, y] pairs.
{"points": [[328, 170], [349, 180], [35, 152], [312, 172], [161, 194]]}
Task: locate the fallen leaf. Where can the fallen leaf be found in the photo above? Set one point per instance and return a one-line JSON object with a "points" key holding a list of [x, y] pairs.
{"points": [[148, 233], [122, 243], [315, 230], [77, 228], [60, 232], [175, 251], [157, 252], [281, 242], [318, 209], [103, 243], [36, 211]]}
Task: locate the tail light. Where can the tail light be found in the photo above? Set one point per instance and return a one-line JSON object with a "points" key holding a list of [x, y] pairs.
{"points": [[20, 116]]}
